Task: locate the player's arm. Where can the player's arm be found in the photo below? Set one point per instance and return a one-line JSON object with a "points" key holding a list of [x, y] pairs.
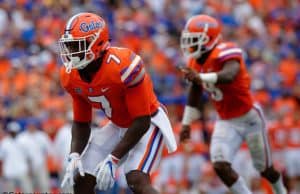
{"points": [[226, 75], [191, 110], [80, 136], [82, 115], [193, 95], [229, 71], [134, 133], [137, 101], [138, 105]]}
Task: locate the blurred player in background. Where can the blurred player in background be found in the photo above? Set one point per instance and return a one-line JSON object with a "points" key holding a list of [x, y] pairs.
{"points": [[62, 146], [113, 79], [14, 161], [292, 156], [38, 146], [218, 67]]}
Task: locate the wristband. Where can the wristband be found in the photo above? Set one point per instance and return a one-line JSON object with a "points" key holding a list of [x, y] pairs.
{"points": [[190, 114], [114, 159], [209, 77], [73, 155]]}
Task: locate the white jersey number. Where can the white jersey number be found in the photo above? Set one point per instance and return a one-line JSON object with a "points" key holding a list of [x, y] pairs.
{"points": [[114, 58], [102, 99], [104, 104], [215, 93]]}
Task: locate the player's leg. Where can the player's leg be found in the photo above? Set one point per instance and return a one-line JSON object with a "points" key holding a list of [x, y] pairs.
{"points": [[259, 147], [140, 183], [11, 185], [42, 179], [293, 168], [142, 160], [84, 184], [100, 145], [25, 184], [224, 144], [274, 177], [241, 162]]}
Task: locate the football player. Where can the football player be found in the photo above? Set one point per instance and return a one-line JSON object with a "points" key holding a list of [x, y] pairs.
{"points": [[218, 67], [113, 79]]}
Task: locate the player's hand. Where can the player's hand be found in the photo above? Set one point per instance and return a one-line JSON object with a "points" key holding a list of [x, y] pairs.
{"points": [[74, 166], [191, 75], [105, 172], [185, 133]]}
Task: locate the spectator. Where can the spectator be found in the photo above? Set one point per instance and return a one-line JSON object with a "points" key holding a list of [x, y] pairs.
{"points": [[62, 147], [15, 167], [269, 32], [38, 146]]}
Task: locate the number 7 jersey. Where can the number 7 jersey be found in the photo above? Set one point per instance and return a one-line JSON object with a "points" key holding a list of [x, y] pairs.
{"points": [[232, 99], [121, 88]]}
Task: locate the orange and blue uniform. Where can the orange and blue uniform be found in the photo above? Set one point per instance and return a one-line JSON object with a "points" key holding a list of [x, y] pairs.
{"points": [[232, 99], [121, 88]]}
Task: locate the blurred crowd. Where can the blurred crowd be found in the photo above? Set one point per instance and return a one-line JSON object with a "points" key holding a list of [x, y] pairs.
{"points": [[35, 111]]}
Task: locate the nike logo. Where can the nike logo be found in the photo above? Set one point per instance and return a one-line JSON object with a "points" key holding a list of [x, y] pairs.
{"points": [[104, 89]]}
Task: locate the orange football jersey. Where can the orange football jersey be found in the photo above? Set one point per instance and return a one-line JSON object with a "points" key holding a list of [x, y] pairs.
{"points": [[233, 99], [121, 88]]}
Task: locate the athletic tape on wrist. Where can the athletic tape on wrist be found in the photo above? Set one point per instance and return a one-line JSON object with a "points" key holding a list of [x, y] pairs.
{"points": [[209, 77]]}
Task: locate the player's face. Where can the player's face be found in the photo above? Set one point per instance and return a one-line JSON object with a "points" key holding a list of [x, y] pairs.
{"points": [[75, 52], [192, 44], [193, 48], [74, 48]]}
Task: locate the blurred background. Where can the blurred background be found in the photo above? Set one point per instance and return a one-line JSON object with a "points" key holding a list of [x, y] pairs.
{"points": [[35, 112]]}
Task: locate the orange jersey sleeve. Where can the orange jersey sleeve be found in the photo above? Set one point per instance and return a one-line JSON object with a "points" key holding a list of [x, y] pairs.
{"points": [[139, 94], [138, 99], [228, 51]]}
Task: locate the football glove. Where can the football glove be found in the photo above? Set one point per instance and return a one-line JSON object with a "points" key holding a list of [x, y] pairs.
{"points": [[74, 165], [105, 172]]}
